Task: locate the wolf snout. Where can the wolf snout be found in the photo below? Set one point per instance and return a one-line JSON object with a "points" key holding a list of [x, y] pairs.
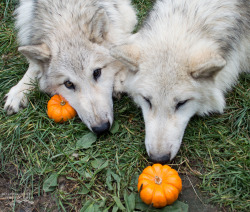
{"points": [[102, 128], [160, 159]]}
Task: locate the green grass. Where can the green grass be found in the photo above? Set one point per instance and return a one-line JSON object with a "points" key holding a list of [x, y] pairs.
{"points": [[38, 154]]}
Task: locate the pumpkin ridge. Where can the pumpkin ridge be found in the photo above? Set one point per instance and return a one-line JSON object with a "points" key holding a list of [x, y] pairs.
{"points": [[61, 112], [69, 114], [144, 186], [64, 114], [69, 110], [155, 167], [177, 179], [161, 188], [155, 185], [149, 175], [173, 192], [56, 98], [164, 193]]}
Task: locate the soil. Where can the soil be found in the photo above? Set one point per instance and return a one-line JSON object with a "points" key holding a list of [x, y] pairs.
{"points": [[21, 200], [190, 195]]}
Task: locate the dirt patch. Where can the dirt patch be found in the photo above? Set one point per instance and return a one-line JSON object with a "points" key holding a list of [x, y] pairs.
{"points": [[192, 196], [22, 202]]}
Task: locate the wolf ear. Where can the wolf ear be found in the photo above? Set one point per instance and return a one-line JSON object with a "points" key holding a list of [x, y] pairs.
{"points": [[39, 53], [128, 54], [99, 26], [207, 68]]}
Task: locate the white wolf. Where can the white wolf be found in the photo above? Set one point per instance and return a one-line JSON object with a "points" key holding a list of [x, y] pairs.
{"points": [[66, 44], [183, 60]]}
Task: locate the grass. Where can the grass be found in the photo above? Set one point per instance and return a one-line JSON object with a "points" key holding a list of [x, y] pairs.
{"points": [[38, 155]]}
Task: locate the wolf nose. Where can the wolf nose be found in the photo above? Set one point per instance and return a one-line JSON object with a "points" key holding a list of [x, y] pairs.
{"points": [[162, 160], [101, 128]]}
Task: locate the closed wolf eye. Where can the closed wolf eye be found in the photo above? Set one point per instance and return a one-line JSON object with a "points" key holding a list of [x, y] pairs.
{"points": [[97, 73], [148, 101], [69, 85], [181, 103]]}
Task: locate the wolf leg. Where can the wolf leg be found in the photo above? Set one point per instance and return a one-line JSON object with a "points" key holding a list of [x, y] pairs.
{"points": [[16, 98]]}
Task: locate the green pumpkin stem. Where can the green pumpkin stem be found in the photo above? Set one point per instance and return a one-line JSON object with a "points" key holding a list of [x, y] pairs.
{"points": [[62, 103]]}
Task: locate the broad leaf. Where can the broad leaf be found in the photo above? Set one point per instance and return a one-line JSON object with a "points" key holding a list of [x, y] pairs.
{"points": [[129, 201], [109, 180], [86, 205], [84, 190], [114, 129], [177, 206], [115, 209], [51, 183], [97, 163], [86, 141], [119, 203]]}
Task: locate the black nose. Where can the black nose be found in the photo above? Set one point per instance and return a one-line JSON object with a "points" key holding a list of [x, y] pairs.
{"points": [[101, 128], [156, 159]]}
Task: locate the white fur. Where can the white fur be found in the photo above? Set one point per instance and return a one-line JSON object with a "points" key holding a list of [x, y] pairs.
{"points": [[66, 40], [187, 50]]}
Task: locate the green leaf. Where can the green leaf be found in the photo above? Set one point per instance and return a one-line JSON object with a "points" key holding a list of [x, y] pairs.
{"points": [[86, 141], [109, 180], [131, 201], [50, 183], [86, 205], [139, 204], [85, 159], [88, 174], [115, 127], [125, 196], [97, 163], [84, 190], [104, 165], [118, 180], [96, 208], [119, 203], [102, 204], [91, 208], [177, 206], [115, 209]]}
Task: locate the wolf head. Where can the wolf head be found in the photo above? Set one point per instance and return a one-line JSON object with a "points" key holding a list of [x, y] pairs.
{"points": [[170, 85], [81, 70]]}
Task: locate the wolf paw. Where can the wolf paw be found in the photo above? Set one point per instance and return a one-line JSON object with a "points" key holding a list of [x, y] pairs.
{"points": [[15, 100], [117, 95]]}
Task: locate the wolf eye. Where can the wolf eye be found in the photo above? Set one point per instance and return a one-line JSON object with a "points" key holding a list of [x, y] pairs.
{"points": [[69, 85], [97, 73], [148, 101], [181, 103]]}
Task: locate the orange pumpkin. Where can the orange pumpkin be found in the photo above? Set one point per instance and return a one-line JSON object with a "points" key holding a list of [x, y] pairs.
{"points": [[159, 185], [59, 109]]}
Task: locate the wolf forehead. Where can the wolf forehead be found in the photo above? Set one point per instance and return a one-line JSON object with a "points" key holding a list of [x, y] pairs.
{"points": [[60, 19]]}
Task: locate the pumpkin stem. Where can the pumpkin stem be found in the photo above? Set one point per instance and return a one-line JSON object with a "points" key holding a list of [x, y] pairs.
{"points": [[62, 103], [158, 180]]}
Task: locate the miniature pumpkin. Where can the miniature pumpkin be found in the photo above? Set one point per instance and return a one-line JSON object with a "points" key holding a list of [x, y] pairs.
{"points": [[159, 185], [59, 109]]}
